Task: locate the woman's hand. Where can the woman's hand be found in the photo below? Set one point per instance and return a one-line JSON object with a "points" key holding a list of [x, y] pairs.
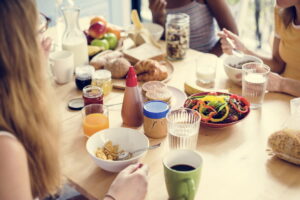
{"points": [[227, 47], [46, 46], [158, 9], [130, 184], [274, 82]]}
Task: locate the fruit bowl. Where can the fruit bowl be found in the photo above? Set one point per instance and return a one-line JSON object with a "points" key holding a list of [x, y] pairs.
{"points": [[238, 108]]}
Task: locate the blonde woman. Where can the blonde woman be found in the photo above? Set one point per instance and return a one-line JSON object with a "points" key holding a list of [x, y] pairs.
{"points": [[29, 166], [285, 58]]}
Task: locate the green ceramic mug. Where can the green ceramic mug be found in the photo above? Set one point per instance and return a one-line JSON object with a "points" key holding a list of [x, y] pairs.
{"points": [[182, 169]]}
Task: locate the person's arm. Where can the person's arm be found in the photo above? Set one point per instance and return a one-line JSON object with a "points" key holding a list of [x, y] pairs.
{"points": [[274, 62], [277, 83], [224, 18], [158, 10], [14, 174]]}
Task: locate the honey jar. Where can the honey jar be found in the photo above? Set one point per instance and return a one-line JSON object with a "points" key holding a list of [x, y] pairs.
{"points": [[102, 79]]}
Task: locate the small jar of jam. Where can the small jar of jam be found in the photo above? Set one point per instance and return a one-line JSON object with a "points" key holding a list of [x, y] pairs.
{"points": [[102, 79], [83, 76], [92, 95], [155, 122]]}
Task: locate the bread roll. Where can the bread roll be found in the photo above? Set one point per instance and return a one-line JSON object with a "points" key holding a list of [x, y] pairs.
{"points": [[118, 67], [285, 144]]}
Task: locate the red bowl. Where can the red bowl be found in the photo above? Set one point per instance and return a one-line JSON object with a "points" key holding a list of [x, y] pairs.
{"points": [[217, 125]]}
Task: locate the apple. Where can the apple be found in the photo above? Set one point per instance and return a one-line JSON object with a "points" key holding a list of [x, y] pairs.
{"points": [[100, 43], [97, 30], [112, 40], [88, 37], [98, 19]]}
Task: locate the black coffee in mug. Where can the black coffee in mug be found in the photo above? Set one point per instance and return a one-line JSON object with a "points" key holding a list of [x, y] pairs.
{"points": [[182, 167]]}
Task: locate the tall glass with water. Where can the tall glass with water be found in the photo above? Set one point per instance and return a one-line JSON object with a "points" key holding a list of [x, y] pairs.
{"points": [[73, 38], [255, 77], [183, 128]]}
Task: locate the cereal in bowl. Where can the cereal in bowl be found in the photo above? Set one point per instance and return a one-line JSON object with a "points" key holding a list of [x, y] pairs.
{"points": [[108, 151]]}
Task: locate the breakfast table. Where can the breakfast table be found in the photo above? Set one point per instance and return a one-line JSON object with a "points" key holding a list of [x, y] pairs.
{"points": [[236, 163]]}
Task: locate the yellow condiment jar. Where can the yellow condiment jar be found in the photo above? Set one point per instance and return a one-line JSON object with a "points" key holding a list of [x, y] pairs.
{"points": [[102, 79], [155, 122]]}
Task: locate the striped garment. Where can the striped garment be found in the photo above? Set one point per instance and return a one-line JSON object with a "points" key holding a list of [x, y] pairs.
{"points": [[202, 26]]}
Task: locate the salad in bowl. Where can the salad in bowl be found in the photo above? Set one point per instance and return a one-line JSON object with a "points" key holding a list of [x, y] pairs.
{"points": [[218, 109]]}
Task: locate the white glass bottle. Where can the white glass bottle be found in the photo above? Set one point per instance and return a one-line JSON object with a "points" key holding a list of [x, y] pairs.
{"points": [[73, 38]]}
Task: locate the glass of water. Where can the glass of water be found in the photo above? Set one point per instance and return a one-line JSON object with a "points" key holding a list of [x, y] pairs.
{"points": [[255, 76], [206, 70], [183, 128], [295, 105]]}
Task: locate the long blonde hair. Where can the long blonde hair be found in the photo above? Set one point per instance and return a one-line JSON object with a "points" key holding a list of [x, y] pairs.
{"points": [[24, 104], [288, 15]]}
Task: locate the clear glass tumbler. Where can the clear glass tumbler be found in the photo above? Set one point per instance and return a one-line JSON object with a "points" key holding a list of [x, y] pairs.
{"points": [[255, 77], [295, 105], [183, 128]]}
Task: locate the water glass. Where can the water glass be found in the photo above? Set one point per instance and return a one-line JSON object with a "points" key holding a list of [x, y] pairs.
{"points": [[183, 128], [255, 77], [206, 70], [295, 105]]}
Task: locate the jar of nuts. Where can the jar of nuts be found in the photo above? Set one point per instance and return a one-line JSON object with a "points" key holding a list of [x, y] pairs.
{"points": [[177, 35]]}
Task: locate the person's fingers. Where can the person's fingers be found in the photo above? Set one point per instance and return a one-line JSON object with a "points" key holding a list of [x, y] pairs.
{"points": [[144, 169], [131, 168], [221, 34], [227, 51], [155, 5], [46, 43], [224, 42], [230, 35], [162, 5]]}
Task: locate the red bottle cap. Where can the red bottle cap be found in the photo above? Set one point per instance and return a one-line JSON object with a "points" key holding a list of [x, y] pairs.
{"points": [[131, 79]]}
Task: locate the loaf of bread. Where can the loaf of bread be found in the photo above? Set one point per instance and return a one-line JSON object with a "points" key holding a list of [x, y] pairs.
{"points": [[285, 144], [150, 70], [118, 67], [101, 60]]}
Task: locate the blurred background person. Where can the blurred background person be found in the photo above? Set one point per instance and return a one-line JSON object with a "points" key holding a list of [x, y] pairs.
{"points": [[202, 15], [285, 59]]}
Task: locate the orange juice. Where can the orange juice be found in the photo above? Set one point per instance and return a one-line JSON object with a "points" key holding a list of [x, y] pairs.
{"points": [[94, 122]]}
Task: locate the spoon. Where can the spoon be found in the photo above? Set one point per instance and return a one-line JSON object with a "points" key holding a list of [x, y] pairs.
{"points": [[124, 155], [235, 51]]}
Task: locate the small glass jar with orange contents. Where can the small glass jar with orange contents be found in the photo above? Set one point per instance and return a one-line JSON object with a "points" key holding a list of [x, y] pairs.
{"points": [[95, 118]]}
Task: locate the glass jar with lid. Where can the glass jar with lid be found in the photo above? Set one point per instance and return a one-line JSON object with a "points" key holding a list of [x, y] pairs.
{"points": [[102, 79], [177, 35]]}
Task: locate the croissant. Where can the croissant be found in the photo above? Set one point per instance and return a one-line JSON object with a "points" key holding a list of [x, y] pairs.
{"points": [[150, 70]]}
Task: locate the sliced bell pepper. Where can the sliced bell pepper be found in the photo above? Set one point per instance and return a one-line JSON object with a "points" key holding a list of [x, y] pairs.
{"points": [[223, 117], [237, 101], [206, 117]]}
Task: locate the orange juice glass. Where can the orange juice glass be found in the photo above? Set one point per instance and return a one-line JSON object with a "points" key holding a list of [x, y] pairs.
{"points": [[95, 118]]}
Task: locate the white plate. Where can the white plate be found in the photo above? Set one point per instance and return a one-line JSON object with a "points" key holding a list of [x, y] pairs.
{"points": [[178, 97]]}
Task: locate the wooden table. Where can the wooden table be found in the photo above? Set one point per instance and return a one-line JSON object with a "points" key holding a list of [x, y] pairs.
{"points": [[236, 163]]}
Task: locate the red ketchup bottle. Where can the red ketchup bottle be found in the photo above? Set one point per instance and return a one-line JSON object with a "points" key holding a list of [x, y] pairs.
{"points": [[132, 108]]}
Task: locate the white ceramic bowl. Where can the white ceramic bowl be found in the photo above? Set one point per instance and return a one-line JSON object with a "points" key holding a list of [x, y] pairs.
{"points": [[233, 73], [127, 139], [155, 29]]}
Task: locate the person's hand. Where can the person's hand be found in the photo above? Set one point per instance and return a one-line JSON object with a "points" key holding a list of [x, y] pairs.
{"points": [[46, 46], [274, 82], [158, 9], [227, 48], [130, 184]]}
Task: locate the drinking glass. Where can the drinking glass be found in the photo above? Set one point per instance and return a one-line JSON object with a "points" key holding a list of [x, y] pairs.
{"points": [[92, 95], [255, 76], [206, 70], [183, 128], [295, 105], [95, 118]]}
